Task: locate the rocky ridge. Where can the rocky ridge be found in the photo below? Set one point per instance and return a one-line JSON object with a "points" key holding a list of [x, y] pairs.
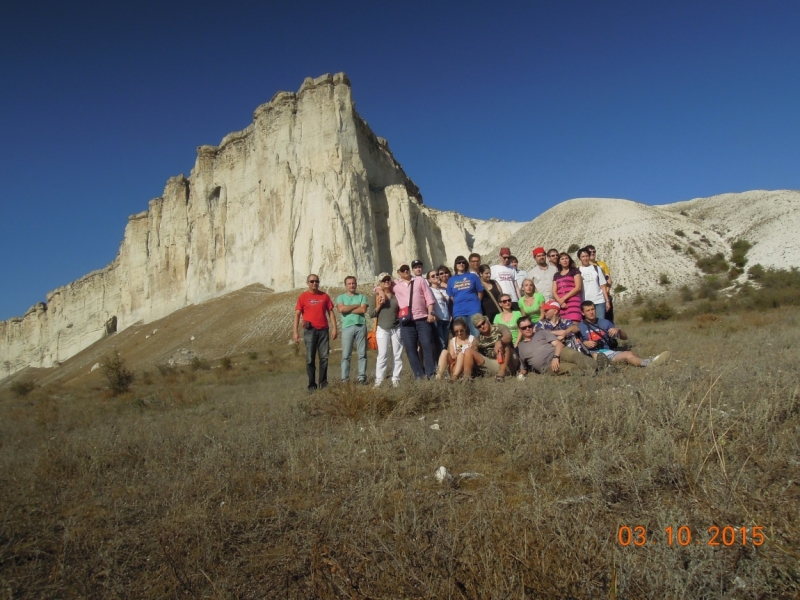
{"points": [[306, 187]]}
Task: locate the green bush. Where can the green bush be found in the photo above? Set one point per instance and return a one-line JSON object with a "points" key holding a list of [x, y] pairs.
{"points": [[573, 248], [684, 213], [739, 252], [638, 299], [756, 272], [252, 355], [680, 233], [119, 377], [677, 247], [657, 312], [619, 288], [690, 250], [686, 293], [663, 279], [226, 363], [709, 287], [712, 264], [22, 388]]}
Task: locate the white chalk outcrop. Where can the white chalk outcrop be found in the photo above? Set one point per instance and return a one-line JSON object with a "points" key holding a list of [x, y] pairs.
{"points": [[307, 187]]}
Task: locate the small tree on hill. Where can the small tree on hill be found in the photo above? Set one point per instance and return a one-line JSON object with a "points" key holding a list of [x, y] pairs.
{"points": [[118, 375]]}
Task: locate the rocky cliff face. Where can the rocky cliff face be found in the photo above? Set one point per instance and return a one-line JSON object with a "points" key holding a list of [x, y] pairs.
{"points": [[307, 187]]}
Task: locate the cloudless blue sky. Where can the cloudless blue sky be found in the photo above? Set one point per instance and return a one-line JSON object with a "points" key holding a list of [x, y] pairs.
{"points": [[493, 109]]}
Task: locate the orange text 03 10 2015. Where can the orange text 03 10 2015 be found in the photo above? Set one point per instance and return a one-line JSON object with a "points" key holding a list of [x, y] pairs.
{"points": [[682, 536]]}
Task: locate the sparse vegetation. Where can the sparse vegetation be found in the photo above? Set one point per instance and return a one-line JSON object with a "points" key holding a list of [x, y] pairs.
{"points": [[690, 251], [226, 363], [619, 288], [22, 388], [638, 299], [663, 279], [739, 250], [712, 264], [684, 213], [119, 377], [573, 248], [756, 272], [709, 287], [239, 489], [677, 247], [660, 311], [680, 233], [198, 364], [252, 355]]}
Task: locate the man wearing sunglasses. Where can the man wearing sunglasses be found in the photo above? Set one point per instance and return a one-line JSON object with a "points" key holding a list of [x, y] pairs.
{"points": [[542, 273], [543, 352], [316, 310]]}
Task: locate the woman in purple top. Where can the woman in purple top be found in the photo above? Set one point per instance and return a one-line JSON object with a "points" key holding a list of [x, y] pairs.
{"points": [[567, 285]]}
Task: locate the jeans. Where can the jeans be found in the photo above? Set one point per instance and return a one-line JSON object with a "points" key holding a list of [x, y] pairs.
{"points": [[357, 333], [600, 309], [317, 341], [468, 318], [441, 329], [573, 361], [385, 338], [419, 331]]}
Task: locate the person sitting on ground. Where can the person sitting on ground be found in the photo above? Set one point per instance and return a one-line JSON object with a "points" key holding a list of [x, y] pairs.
{"points": [[600, 337], [564, 329], [452, 357], [494, 354], [531, 302], [542, 352], [508, 317]]}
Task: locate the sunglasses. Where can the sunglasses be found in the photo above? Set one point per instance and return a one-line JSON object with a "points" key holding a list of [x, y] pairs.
{"points": [[505, 301], [459, 330], [403, 270], [434, 275], [442, 273], [505, 257], [554, 256], [313, 281], [525, 327], [482, 323], [386, 280]]}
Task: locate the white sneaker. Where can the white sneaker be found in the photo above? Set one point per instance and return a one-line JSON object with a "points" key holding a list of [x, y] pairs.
{"points": [[661, 359], [395, 383], [378, 383]]}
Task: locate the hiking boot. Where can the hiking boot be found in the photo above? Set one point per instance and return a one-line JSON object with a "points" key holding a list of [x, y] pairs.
{"points": [[661, 359], [603, 362]]}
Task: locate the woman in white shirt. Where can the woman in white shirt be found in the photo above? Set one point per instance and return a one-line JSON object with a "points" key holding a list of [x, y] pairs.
{"points": [[441, 308], [595, 286]]}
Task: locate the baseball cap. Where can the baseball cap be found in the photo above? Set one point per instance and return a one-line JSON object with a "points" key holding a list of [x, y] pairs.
{"points": [[416, 263], [538, 250], [383, 276], [505, 251], [551, 304], [477, 319]]}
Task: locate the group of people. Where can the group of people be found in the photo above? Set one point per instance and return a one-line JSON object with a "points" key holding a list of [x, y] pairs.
{"points": [[474, 320]]}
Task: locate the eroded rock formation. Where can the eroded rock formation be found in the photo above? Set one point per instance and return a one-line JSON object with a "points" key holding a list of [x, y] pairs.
{"points": [[307, 187]]}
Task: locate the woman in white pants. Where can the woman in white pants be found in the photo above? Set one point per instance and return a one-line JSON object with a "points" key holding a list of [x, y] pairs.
{"points": [[388, 331]]}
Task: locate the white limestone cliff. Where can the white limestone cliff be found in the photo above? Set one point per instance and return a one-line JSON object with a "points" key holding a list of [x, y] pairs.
{"points": [[307, 187]]}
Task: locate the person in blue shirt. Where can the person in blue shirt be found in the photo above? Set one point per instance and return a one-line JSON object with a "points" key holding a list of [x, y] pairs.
{"points": [[600, 337], [466, 291]]}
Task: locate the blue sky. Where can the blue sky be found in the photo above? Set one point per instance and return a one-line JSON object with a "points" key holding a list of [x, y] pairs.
{"points": [[493, 110]]}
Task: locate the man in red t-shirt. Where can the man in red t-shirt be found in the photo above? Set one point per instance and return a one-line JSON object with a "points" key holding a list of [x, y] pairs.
{"points": [[316, 309]]}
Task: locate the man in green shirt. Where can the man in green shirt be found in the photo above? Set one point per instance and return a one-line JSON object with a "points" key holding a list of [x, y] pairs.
{"points": [[353, 307]]}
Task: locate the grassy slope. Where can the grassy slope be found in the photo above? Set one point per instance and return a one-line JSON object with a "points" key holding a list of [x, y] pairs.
{"points": [[225, 484]]}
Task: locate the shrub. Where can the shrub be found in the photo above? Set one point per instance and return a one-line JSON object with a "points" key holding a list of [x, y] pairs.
{"points": [[165, 370], [712, 264], [680, 233], [690, 250], [573, 248], [199, 364], [619, 288], [657, 312], [22, 388], [734, 273], [756, 272], [684, 213], [663, 279], [739, 254], [226, 363], [638, 299], [117, 373], [686, 293], [252, 355], [708, 287], [677, 247]]}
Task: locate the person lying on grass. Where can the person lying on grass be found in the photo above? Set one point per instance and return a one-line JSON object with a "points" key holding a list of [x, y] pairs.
{"points": [[452, 358], [600, 337], [542, 351]]}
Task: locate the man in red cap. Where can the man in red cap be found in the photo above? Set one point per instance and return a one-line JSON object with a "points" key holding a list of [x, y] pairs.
{"points": [[542, 273], [506, 276]]}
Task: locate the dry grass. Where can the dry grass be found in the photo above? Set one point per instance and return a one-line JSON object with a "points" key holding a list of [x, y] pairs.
{"points": [[236, 484]]}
